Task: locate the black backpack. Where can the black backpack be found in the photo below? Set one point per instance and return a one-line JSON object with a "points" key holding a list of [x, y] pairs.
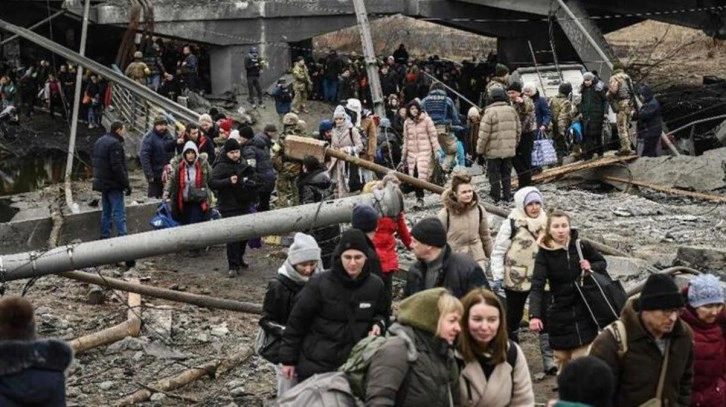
{"points": [[285, 95]]}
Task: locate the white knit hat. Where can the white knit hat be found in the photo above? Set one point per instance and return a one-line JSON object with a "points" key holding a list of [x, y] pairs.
{"points": [[704, 290], [304, 248]]}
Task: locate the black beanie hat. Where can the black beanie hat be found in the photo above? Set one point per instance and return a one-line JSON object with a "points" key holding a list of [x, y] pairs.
{"points": [[586, 380], [365, 218], [430, 231], [231, 145], [352, 239], [660, 292], [515, 86], [246, 132]]}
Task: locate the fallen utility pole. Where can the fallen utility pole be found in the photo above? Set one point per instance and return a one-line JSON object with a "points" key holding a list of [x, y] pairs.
{"points": [[669, 190], [197, 236], [369, 54]]}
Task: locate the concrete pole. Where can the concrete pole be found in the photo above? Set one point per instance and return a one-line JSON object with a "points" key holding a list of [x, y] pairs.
{"points": [[369, 53], [74, 116], [196, 236]]}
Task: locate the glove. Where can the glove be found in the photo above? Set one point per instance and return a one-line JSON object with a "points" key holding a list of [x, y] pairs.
{"points": [[496, 285], [128, 191]]}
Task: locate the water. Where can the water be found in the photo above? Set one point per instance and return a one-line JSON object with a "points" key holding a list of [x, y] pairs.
{"points": [[33, 172]]}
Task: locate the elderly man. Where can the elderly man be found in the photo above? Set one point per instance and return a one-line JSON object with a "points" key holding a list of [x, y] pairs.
{"points": [[650, 349]]}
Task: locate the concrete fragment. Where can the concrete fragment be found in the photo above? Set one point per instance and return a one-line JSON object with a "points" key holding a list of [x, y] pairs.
{"points": [[700, 173], [625, 268], [707, 259], [159, 320], [158, 397], [96, 296], [106, 385]]}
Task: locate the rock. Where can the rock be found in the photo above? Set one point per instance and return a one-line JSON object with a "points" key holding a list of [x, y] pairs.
{"points": [[237, 392], [235, 384], [626, 267], [703, 258], [159, 319], [622, 213], [700, 173], [73, 392], [220, 330], [105, 386], [158, 397], [125, 344], [96, 296], [161, 351]]}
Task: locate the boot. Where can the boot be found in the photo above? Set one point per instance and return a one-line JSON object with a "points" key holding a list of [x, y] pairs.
{"points": [[548, 356]]}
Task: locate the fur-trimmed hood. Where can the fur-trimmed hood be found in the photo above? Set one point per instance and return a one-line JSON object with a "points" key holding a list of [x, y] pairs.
{"points": [[48, 354], [456, 208]]}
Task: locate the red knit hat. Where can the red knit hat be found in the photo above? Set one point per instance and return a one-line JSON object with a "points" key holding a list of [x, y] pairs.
{"points": [[225, 125], [410, 77]]}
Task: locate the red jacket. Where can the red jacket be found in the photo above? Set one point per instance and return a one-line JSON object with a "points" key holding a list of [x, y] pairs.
{"points": [[709, 360], [385, 243]]}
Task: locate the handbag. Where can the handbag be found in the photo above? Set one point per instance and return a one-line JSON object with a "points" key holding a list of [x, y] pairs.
{"points": [[268, 346], [656, 401], [162, 219], [197, 194], [543, 152], [603, 296], [86, 98]]}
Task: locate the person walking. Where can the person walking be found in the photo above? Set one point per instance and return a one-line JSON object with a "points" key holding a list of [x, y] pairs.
{"points": [[465, 220], [558, 264], [415, 366], [621, 94], [495, 372], [499, 135], [188, 186], [301, 85], [314, 185], [347, 139], [650, 122], [420, 146], [157, 149], [648, 342], [253, 68], [592, 114], [525, 108]]}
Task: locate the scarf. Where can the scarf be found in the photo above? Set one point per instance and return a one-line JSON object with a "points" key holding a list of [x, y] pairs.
{"points": [[288, 270], [534, 225]]}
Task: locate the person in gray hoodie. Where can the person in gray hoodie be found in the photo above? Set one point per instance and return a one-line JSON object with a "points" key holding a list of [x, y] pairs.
{"points": [[187, 186], [303, 261]]}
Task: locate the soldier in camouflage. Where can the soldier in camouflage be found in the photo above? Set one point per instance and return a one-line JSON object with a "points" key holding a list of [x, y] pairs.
{"points": [[524, 106], [301, 85], [138, 70], [620, 94], [499, 81], [562, 116], [288, 169]]}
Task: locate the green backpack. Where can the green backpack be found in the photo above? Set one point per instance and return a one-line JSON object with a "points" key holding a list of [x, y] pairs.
{"points": [[359, 360]]}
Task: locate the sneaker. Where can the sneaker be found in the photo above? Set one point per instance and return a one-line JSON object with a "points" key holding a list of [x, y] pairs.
{"points": [[90, 126], [232, 273], [244, 265]]}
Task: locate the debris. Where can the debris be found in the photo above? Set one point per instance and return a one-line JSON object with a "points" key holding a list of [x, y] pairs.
{"points": [[702, 173], [703, 258]]}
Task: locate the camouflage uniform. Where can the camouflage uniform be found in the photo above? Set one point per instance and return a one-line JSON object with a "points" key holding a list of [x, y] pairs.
{"points": [[526, 114], [561, 120], [138, 70], [288, 169], [620, 96], [301, 85], [493, 84]]}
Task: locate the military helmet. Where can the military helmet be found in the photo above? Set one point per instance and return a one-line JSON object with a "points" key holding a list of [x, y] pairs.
{"points": [[138, 54], [290, 119]]}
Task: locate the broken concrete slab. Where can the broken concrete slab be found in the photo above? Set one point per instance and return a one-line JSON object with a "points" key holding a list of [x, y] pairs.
{"points": [[626, 268], [701, 173], [705, 259]]}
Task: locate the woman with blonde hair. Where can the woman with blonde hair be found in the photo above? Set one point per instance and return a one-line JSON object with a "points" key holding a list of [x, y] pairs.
{"points": [[495, 372], [420, 146], [558, 264], [465, 220], [416, 366]]}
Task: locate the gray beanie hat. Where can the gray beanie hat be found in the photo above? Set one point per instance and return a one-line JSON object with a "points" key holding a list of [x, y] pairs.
{"points": [[704, 290], [303, 248], [588, 76]]}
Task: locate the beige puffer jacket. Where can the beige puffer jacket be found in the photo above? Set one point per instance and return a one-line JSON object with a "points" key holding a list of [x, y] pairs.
{"points": [[420, 141], [499, 131], [466, 234]]}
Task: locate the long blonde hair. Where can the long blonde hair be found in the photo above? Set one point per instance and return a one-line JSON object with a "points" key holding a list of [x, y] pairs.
{"points": [[547, 238]]}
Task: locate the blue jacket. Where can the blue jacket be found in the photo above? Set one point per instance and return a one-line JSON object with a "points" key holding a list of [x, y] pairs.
{"points": [[439, 106], [542, 110], [280, 106], [156, 151], [650, 120], [32, 373]]}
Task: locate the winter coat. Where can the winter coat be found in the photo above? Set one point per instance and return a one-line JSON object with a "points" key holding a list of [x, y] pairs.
{"points": [[593, 104], [440, 108], [204, 145], [179, 181], [507, 386], [420, 143], [370, 131], [412, 368], [637, 372], [280, 297], [234, 197], [561, 114], [253, 65], [467, 227], [650, 119], [282, 106], [709, 359], [542, 111], [156, 151], [333, 67], [257, 155], [332, 313], [499, 131], [514, 251], [345, 137], [315, 187], [459, 274], [568, 321], [32, 373], [385, 242], [109, 164]]}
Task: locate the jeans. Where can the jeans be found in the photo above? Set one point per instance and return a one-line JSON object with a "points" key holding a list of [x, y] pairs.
{"points": [[112, 204], [235, 250], [192, 213], [522, 161], [330, 89], [500, 178], [253, 85]]}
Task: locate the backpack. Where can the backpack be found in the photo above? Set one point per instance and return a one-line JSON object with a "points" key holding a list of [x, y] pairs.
{"points": [[321, 390], [359, 360], [388, 207]]}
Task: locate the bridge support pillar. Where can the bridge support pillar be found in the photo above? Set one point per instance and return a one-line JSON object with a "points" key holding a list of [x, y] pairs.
{"points": [[228, 66], [515, 52]]}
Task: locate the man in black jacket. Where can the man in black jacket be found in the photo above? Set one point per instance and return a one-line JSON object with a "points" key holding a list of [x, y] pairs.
{"points": [[257, 155], [438, 266], [111, 179], [157, 148], [236, 186]]}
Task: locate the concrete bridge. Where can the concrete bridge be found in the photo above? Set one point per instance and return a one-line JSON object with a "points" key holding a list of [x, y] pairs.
{"points": [[282, 26]]}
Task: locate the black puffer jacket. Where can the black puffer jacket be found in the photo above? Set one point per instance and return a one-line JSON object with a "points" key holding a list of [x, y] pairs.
{"points": [[256, 149], [568, 320], [109, 164], [279, 300], [232, 197], [32, 373], [460, 274], [331, 314]]}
